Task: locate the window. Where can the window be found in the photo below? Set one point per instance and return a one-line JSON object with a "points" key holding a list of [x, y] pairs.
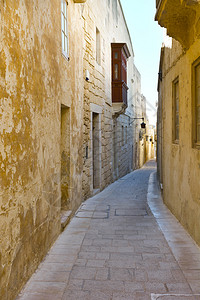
{"points": [[120, 55], [175, 109], [116, 71], [196, 103], [98, 46], [65, 47]]}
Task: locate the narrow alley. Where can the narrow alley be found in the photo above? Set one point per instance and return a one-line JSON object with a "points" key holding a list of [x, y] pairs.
{"points": [[122, 243]]}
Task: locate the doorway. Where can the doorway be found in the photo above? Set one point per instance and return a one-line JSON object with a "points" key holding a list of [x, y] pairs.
{"points": [[96, 150], [115, 151], [65, 157]]}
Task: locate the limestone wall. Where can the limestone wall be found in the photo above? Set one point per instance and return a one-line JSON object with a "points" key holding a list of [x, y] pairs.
{"points": [[107, 18], [180, 161], [35, 82]]}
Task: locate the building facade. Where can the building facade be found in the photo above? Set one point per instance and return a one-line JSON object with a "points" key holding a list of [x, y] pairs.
{"points": [[179, 113], [67, 104]]}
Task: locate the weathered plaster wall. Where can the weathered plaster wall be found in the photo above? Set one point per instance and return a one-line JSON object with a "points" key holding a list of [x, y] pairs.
{"points": [[29, 172], [35, 79], [181, 162]]}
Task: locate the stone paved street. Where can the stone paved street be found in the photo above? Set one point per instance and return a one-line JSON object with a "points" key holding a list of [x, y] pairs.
{"points": [[122, 244]]}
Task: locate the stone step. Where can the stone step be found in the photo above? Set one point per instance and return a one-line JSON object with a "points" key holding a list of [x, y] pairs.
{"points": [[65, 218]]}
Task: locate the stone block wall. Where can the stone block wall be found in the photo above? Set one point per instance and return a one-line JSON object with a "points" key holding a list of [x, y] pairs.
{"points": [[107, 20]]}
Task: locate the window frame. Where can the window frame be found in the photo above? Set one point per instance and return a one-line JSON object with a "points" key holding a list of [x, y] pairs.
{"points": [[195, 143], [175, 112], [116, 61], [64, 30]]}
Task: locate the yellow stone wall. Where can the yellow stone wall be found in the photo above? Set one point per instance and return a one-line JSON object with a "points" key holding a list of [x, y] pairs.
{"points": [[35, 80], [180, 162]]}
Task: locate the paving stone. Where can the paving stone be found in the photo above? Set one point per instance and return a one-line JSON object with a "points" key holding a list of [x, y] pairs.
{"points": [[168, 265], [147, 265], [160, 276], [69, 247], [155, 287], [178, 288], [108, 285], [153, 257], [71, 238], [87, 255], [135, 237], [118, 249], [122, 274], [100, 215], [103, 255], [134, 286], [83, 273], [127, 233], [81, 262], [195, 286], [61, 258], [145, 249], [49, 276], [52, 288], [75, 295], [190, 264], [96, 263], [142, 296], [169, 258], [102, 242], [122, 296], [126, 256], [113, 236], [91, 249], [87, 242], [39, 296], [129, 263], [84, 214], [102, 274], [178, 275], [141, 275], [192, 274], [75, 284], [56, 267], [63, 251], [100, 296], [175, 297]]}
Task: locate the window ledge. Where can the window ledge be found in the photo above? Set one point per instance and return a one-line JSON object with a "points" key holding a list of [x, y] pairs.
{"points": [[176, 142], [80, 1], [196, 146], [65, 56]]}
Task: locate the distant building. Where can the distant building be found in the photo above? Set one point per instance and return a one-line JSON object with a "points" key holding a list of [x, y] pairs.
{"points": [[178, 129]]}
